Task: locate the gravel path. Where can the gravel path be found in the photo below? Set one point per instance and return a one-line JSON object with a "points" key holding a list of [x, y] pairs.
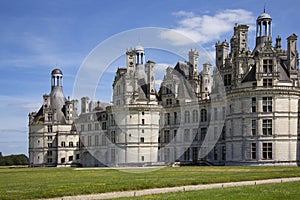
{"points": [[111, 195]]}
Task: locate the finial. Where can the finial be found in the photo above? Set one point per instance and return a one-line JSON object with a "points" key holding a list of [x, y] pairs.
{"points": [[265, 8]]}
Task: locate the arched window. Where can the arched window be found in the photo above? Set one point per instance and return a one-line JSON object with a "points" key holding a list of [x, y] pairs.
{"points": [[187, 116], [195, 116], [203, 115]]}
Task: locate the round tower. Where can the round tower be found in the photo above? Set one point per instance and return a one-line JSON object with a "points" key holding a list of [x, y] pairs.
{"points": [[140, 54]]}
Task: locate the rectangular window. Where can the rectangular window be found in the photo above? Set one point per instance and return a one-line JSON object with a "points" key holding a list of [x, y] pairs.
{"points": [[267, 82], [174, 135], [215, 113], [49, 160], [89, 127], [215, 153], [112, 155], [82, 127], [96, 140], [223, 152], [49, 138], [267, 151], [267, 104], [103, 139], [96, 126], [63, 144], [227, 79], [49, 153], [186, 135], [267, 126], [77, 156], [103, 126], [169, 101], [143, 121], [167, 118], [268, 65], [253, 128], [71, 144], [187, 154], [203, 133], [113, 137], [49, 144], [142, 139], [253, 104], [89, 140], [175, 118], [49, 128], [142, 158], [70, 158], [63, 160], [253, 151], [167, 136]]}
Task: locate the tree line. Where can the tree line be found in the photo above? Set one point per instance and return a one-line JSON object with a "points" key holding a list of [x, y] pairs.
{"points": [[14, 160]]}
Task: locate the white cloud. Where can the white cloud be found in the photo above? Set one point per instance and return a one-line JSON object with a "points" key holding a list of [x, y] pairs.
{"points": [[207, 28]]}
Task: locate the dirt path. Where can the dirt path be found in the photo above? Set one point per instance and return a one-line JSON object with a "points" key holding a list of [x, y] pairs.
{"points": [[111, 195]]}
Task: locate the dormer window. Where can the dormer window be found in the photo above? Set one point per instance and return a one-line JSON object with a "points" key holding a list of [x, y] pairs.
{"points": [[268, 66]]}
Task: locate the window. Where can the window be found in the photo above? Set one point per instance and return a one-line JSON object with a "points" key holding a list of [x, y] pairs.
{"points": [[142, 139], [103, 139], [167, 119], [89, 127], [253, 125], [187, 154], [223, 112], [174, 135], [82, 127], [96, 126], [203, 115], [187, 116], [103, 126], [267, 104], [89, 140], [49, 153], [195, 116], [167, 136], [227, 79], [267, 82], [267, 127], [267, 151], [71, 144], [49, 160], [253, 104], [267, 65], [113, 137], [203, 133], [223, 152], [49, 128], [49, 138], [169, 89], [70, 158], [169, 101], [186, 135], [50, 116], [63, 160], [215, 113], [175, 118], [49, 144], [63, 144], [143, 121], [77, 156], [215, 153], [142, 158], [96, 140], [112, 120], [143, 131], [112, 155], [253, 151]]}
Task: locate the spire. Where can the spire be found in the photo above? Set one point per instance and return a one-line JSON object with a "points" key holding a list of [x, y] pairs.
{"points": [[265, 7]]}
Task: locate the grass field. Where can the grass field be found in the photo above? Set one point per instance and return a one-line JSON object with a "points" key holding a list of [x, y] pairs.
{"points": [[277, 191], [30, 183]]}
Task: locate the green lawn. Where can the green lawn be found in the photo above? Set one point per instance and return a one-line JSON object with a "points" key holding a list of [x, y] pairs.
{"points": [[274, 191], [28, 183]]}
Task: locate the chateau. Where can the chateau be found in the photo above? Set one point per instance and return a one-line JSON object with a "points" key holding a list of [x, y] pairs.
{"points": [[244, 111]]}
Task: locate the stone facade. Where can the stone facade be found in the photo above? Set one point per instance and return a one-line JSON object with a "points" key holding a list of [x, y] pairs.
{"points": [[53, 139], [245, 111]]}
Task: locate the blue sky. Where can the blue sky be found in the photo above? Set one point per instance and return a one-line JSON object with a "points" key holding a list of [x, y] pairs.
{"points": [[36, 36]]}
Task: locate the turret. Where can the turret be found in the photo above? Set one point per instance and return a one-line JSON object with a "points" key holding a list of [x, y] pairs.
{"points": [[263, 29], [221, 53], [193, 60], [85, 105]]}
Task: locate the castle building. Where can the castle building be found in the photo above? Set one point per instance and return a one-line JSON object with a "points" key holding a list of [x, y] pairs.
{"points": [[53, 139], [245, 111]]}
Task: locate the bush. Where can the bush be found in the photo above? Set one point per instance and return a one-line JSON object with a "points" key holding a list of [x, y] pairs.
{"points": [[14, 160]]}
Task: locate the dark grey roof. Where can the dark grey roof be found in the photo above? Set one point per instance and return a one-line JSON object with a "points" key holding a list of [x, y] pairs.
{"points": [[250, 76], [283, 71], [56, 71], [58, 100]]}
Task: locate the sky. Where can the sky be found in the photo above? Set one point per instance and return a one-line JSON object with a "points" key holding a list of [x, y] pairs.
{"points": [[37, 36]]}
